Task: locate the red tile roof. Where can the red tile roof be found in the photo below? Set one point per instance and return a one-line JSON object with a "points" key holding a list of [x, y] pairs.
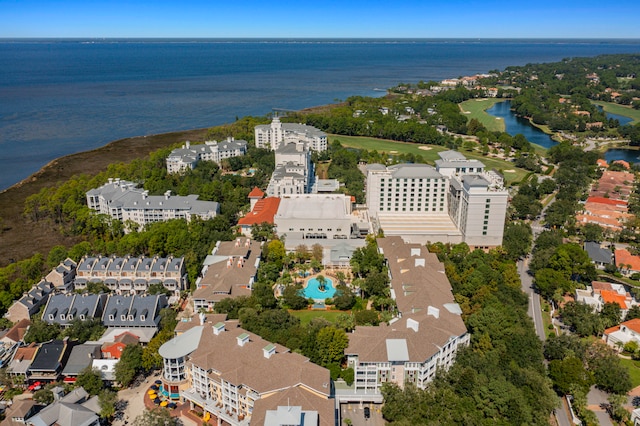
{"points": [[263, 212], [633, 324], [623, 163], [256, 193], [610, 296], [602, 163], [623, 257], [602, 200]]}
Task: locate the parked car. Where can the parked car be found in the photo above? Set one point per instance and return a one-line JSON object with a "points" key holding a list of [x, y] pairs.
{"points": [[367, 412]]}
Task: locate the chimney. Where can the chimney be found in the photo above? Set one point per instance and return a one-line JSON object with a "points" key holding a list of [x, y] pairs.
{"points": [[167, 195], [202, 317], [188, 144]]}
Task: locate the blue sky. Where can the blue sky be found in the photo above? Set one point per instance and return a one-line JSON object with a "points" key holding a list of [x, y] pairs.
{"points": [[328, 18]]}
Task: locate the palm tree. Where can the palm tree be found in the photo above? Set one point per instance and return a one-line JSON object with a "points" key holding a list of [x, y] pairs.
{"points": [[322, 282]]}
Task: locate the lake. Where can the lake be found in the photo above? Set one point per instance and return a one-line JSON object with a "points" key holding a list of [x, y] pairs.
{"points": [[515, 125]]}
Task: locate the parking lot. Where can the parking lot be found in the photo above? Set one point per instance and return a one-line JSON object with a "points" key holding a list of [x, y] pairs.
{"points": [[355, 412]]}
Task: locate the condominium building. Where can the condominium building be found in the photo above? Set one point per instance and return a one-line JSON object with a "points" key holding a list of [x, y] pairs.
{"points": [[223, 371], [423, 338], [123, 201], [274, 135], [294, 172], [188, 156], [132, 274]]}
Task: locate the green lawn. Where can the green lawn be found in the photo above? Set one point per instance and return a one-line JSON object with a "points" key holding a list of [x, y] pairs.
{"points": [[634, 370], [477, 108], [620, 110], [428, 152], [307, 315]]}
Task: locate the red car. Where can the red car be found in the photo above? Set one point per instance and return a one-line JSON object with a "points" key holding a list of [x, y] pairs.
{"points": [[35, 386]]}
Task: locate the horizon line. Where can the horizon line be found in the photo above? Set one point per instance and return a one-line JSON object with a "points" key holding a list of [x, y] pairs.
{"points": [[304, 38]]}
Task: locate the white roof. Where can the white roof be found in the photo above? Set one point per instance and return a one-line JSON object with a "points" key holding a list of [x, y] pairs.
{"points": [[397, 350], [314, 206], [183, 344]]}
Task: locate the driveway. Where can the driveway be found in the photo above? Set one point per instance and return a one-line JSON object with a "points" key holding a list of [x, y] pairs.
{"points": [[355, 412]]}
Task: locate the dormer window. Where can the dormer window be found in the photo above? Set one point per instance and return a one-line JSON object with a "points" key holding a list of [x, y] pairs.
{"points": [[142, 318], [62, 317], [51, 317], [82, 317], [123, 317], [69, 317], [111, 318]]}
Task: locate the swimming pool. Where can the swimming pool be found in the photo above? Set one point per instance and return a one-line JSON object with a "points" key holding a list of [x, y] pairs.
{"points": [[312, 289]]}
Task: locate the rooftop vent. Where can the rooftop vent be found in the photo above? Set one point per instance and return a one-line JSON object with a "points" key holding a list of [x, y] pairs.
{"points": [[435, 312], [243, 339], [413, 324], [269, 350], [218, 328]]}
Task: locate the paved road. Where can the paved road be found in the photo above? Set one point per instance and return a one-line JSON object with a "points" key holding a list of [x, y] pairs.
{"points": [[535, 312]]}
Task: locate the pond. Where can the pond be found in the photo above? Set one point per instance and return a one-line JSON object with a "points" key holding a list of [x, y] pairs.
{"points": [[623, 120], [515, 125], [312, 290], [628, 155]]}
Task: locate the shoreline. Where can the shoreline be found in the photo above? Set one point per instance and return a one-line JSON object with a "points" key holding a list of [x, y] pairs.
{"points": [[21, 238]]}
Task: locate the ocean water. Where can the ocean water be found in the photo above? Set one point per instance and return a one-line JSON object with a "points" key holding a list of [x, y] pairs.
{"points": [[58, 97]]}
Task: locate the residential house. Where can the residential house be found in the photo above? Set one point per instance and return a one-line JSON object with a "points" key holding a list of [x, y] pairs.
{"points": [[113, 350], [62, 276], [30, 302], [600, 256], [599, 293], [63, 309], [139, 314], [107, 369], [20, 412], [12, 340], [627, 263], [49, 361], [16, 333], [74, 409], [21, 361], [81, 357], [229, 271], [621, 334]]}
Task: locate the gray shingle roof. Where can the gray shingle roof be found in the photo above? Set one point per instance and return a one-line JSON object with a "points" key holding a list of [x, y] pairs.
{"points": [[81, 357], [597, 253], [133, 311]]}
